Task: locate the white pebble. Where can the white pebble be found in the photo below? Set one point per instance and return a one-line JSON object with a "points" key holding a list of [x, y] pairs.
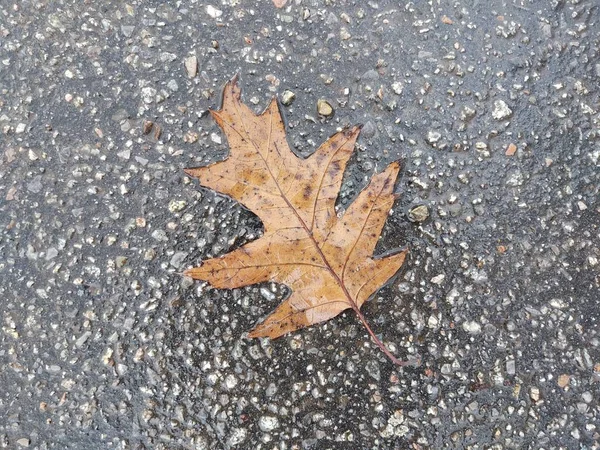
{"points": [[213, 12], [268, 423], [471, 327], [501, 110]]}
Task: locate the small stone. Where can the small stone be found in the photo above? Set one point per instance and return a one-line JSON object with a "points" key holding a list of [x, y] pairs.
{"points": [[501, 110], [419, 213], [515, 179], [191, 66], [534, 393], [159, 235], [147, 126], [267, 294], [120, 261], [370, 75], [148, 94], [324, 108], [173, 86], [125, 154], [511, 149], [35, 185], [107, 356], [10, 154], [368, 130], [511, 368], [215, 138], [120, 114], [397, 88], [563, 380], [438, 279], [558, 303], [587, 397], [213, 12], [467, 113], [433, 137], [157, 132], [177, 259], [20, 128], [83, 338], [10, 195], [268, 423], [126, 126], [287, 98], [177, 205], [237, 436], [23, 442], [127, 30], [190, 137], [230, 381], [331, 19], [433, 321], [149, 254], [471, 327]]}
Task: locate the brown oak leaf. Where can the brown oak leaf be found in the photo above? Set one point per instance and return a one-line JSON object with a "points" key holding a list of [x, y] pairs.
{"points": [[326, 261]]}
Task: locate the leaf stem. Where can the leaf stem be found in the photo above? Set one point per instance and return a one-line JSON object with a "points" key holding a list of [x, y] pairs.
{"points": [[378, 342]]}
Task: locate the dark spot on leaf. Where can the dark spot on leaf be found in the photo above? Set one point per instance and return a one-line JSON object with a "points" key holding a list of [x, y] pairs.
{"points": [[307, 191]]}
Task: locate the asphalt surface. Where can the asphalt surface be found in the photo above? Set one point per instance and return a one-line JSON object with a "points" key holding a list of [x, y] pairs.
{"points": [[493, 108]]}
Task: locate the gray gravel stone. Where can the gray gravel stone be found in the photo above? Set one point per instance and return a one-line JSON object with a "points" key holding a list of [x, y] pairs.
{"points": [[178, 258], [35, 185]]}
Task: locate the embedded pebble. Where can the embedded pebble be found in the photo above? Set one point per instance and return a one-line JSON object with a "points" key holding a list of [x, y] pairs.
{"points": [[501, 110], [472, 326], [268, 423], [35, 185], [191, 66], [213, 12], [177, 205], [177, 259], [287, 98], [148, 94], [324, 108], [433, 137], [397, 87], [419, 213]]}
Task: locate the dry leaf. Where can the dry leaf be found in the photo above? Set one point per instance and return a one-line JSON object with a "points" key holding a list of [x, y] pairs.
{"points": [[326, 261]]}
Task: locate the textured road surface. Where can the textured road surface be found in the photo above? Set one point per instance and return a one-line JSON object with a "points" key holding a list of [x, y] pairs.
{"points": [[494, 109]]}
